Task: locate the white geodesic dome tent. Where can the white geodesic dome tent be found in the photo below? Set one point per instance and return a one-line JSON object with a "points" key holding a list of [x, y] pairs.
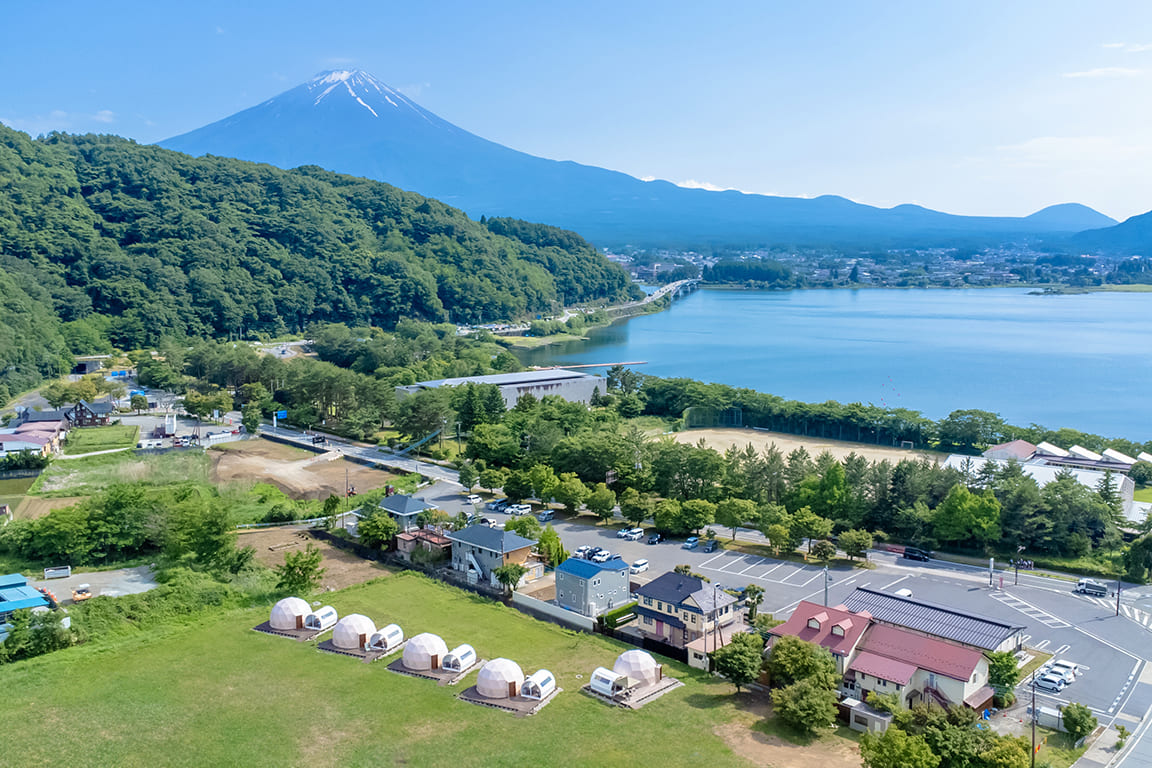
{"points": [[539, 685], [499, 679], [289, 613], [424, 652], [638, 665], [460, 658], [353, 631], [386, 639]]}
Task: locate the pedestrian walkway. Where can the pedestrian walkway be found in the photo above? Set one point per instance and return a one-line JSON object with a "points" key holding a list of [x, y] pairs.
{"points": [[1029, 610]]}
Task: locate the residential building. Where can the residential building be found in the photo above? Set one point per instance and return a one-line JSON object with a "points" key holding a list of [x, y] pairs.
{"points": [[837, 629], [479, 550], [86, 414], [573, 386], [677, 609], [699, 648], [918, 669], [404, 509], [437, 545], [937, 621], [591, 588]]}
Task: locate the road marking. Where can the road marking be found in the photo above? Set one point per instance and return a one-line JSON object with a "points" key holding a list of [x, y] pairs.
{"points": [[751, 567], [1029, 610], [1024, 639], [1127, 683], [722, 554], [894, 583], [818, 575], [1041, 645], [1061, 649], [778, 565]]}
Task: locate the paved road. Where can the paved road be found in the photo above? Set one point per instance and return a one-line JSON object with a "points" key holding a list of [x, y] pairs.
{"points": [[662, 292], [369, 453]]}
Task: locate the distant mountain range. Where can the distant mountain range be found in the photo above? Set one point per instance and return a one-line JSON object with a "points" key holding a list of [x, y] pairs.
{"points": [[351, 122]]}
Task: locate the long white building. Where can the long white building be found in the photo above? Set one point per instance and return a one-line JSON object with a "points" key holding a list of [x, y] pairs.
{"points": [[571, 385]]}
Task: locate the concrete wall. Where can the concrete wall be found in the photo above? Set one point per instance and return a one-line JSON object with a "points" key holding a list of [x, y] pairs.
{"points": [[573, 390], [555, 612], [590, 599]]}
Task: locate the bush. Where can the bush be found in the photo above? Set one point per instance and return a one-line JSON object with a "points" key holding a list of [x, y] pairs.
{"points": [[613, 617], [1078, 720], [805, 705]]}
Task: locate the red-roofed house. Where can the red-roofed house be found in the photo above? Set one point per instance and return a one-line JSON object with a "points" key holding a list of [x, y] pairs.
{"points": [[919, 668], [1021, 450], [837, 629]]}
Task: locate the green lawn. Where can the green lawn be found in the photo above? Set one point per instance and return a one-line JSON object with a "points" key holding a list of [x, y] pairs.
{"points": [[532, 342], [220, 694], [90, 439], [12, 490], [1144, 494], [82, 477]]}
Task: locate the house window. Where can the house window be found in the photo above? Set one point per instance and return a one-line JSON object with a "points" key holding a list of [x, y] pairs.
{"points": [[899, 687], [883, 683], [693, 618], [659, 605], [595, 582], [838, 631], [861, 720], [813, 624], [647, 619], [647, 601]]}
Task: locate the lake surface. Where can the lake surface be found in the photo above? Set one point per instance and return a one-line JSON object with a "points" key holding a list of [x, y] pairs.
{"points": [[1083, 361]]}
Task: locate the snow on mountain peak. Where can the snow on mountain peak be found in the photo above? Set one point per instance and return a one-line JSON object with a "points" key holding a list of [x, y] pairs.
{"points": [[360, 85]]}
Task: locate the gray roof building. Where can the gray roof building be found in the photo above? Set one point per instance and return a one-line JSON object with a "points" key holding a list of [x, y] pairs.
{"points": [[935, 620], [574, 386], [404, 509], [491, 539]]}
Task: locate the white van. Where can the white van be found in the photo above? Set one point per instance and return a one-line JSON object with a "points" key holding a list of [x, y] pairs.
{"points": [[639, 566]]}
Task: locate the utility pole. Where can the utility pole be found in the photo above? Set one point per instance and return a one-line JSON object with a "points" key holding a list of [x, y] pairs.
{"points": [[826, 580], [1033, 718], [1117, 594], [1019, 549]]}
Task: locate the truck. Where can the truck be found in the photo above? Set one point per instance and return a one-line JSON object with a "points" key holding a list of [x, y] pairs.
{"points": [[82, 593], [1090, 587]]}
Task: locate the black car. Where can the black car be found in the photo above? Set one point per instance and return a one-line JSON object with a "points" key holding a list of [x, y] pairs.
{"points": [[912, 553], [711, 545], [656, 538]]}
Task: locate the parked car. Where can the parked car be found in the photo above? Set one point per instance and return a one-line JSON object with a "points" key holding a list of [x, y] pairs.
{"points": [[912, 553], [623, 532], [1050, 682], [602, 556], [489, 522], [498, 505], [639, 566], [472, 499], [635, 534], [518, 509], [711, 545], [691, 542], [903, 592], [656, 538], [582, 552], [545, 515], [1065, 669]]}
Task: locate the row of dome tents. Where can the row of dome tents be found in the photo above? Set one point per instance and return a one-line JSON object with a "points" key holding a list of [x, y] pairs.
{"points": [[501, 682], [635, 678]]}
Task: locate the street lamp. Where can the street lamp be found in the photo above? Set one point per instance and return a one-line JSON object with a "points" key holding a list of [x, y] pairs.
{"points": [[827, 580], [1019, 549]]}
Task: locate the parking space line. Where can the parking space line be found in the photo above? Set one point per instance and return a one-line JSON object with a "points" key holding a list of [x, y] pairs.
{"points": [[894, 583], [750, 568], [778, 565], [1061, 649], [737, 563], [722, 554], [1041, 645], [818, 575]]}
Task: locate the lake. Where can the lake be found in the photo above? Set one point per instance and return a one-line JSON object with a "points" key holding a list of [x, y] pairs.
{"points": [[1082, 361]]}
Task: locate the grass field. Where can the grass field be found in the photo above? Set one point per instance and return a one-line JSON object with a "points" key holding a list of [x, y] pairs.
{"points": [[82, 477], [533, 342], [221, 694], [12, 490], [91, 439], [724, 438], [1144, 494]]}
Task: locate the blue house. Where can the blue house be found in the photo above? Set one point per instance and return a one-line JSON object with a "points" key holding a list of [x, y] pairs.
{"points": [[16, 594], [591, 588]]}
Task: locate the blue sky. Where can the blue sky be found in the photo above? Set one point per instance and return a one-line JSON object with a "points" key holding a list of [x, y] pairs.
{"points": [[969, 107]]}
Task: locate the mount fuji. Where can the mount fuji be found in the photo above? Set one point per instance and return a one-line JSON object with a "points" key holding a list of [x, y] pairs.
{"points": [[350, 122]]}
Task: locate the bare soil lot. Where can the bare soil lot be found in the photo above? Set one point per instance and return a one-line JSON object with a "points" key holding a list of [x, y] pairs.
{"points": [[298, 473], [751, 742], [723, 439], [35, 506], [341, 569]]}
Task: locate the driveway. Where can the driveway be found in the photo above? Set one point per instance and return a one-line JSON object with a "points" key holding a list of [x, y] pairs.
{"points": [[114, 583]]}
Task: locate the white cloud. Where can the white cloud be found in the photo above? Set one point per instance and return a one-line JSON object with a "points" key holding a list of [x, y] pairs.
{"points": [[1107, 72], [59, 120], [1129, 47], [413, 90], [219, 30]]}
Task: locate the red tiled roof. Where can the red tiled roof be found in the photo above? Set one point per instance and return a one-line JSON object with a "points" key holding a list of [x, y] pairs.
{"points": [[892, 670], [797, 626], [1021, 449], [927, 653]]}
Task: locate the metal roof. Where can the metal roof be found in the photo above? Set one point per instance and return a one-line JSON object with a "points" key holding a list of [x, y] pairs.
{"points": [[671, 587], [402, 504], [505, 379], [586, 569], [892, 670], [853, 625], [966, 628], [711, 598], [924, 652], [13, 598], [491, 539]]}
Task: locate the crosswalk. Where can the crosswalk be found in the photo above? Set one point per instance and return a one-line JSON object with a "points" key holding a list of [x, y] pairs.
{"points": [[1029, 610], [1143, 618]]}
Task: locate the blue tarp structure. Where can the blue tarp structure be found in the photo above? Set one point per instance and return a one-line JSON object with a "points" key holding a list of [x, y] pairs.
{"points": [[16, 594]]}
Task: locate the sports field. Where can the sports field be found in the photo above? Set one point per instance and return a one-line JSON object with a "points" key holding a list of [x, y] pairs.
{"points": [[723, 439], [220, 694]]}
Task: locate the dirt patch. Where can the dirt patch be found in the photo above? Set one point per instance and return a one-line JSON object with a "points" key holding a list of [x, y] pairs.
{"points": [[341, 568], [34, 506], [298, 473], [723, 439]]}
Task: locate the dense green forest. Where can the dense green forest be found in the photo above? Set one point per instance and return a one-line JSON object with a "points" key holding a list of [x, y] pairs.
{"points": [[129, 244], [758, 273]]}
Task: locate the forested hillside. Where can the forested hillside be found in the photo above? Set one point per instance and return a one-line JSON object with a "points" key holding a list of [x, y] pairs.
{"points": [[137, 243]]}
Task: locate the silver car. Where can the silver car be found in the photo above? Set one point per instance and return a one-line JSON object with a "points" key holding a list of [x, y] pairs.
{"points": [[1051, 682], [1063, 670]]}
